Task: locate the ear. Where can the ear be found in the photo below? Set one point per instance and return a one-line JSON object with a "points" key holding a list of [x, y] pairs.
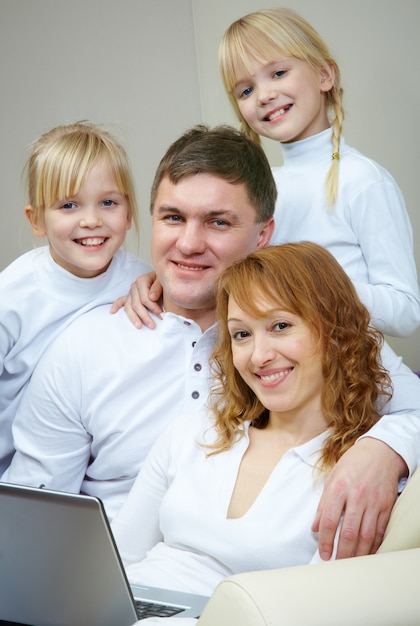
{"points": [[327, 76], [37, 229], [265, 234]]}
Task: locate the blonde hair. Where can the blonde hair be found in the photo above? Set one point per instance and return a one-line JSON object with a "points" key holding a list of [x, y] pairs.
{"points": [[62, 158], [305, 279], [268, 34]]}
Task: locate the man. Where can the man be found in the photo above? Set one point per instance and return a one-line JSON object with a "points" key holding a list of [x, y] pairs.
{"points": [[104, 390]]}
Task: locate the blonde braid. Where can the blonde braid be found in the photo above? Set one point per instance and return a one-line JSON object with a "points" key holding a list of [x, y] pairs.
{"points": [[331, 183], [248, 132]]}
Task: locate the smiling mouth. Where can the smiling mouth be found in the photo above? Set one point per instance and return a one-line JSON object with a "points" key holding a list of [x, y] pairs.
{"points": [[91, 241], [276, 375], [278, 113]]}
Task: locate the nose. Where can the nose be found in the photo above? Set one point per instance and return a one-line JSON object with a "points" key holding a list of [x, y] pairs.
{"points": [[266, 93], [263, 351], [91, 217], [191, 239]]}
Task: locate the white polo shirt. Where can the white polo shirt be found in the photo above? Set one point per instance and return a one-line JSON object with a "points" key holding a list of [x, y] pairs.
{"points": [[100, 396]]}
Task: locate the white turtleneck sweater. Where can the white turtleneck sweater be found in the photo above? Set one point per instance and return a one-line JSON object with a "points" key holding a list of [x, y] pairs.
{"points": [[38, 299], [368, 229]]}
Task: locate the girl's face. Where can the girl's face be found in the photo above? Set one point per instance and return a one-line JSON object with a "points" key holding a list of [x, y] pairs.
{"points": [[278, 357], [284, 100], [85, 230]]}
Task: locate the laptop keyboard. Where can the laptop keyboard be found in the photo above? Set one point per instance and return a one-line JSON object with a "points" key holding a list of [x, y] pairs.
{"points": [[150, 609]]}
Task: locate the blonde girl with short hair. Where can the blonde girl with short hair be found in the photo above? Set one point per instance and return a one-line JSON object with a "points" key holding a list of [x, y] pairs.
{"points": [[81, 198]]}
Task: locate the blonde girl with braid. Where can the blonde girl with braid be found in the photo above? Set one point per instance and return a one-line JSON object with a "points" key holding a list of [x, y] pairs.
{"points": [[284, 84]]}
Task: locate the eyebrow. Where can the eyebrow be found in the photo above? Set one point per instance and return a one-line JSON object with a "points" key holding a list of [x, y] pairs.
{"points": [[113, 192], [267, 65], [106, 192], [269, 314], [232, 215]]}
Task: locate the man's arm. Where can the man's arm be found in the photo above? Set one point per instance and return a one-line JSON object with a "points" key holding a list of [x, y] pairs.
{"points": [[52, 445], [363, 488]]}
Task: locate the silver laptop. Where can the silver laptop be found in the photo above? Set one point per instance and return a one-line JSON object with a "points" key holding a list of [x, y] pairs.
{"points": [[59, 565]]}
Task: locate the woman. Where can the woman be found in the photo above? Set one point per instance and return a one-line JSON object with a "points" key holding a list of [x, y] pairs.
{"points": [[297, 379]]}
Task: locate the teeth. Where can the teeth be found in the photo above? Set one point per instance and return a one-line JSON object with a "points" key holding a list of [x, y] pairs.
{"points": [[275, 376], [92, 241], [188, 267], [276, 114]]}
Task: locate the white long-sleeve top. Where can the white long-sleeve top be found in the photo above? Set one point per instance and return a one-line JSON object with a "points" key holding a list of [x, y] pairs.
{"points": [[38, 299], [368, 229], [100, 396], [173, 529]]}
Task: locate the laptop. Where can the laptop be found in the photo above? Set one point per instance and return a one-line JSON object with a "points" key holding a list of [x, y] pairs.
{"points": [[59, 565]]}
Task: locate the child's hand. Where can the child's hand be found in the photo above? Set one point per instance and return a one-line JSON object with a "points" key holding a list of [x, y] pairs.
{"points": [[141, 300], [119, 302]]}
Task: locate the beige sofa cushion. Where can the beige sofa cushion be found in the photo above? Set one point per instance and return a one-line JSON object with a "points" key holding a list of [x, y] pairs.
{"points": [[376, 590], [403, 531]]}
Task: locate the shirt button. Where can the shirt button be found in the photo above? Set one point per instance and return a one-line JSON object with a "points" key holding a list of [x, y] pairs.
{"points": [[187, 323], [197, 367], [194, 344], [195, 395]]}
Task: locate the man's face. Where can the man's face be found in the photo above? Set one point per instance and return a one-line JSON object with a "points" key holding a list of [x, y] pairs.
{"points": [[200, 226]]}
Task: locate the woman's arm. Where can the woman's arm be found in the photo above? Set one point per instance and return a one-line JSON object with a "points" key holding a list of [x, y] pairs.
{"points": [[136, 527]]}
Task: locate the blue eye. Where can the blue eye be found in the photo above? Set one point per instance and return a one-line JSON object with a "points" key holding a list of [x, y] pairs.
{"points": [[173, 218], [68, 205], [246, 92], [220, 222], [108, 202]]}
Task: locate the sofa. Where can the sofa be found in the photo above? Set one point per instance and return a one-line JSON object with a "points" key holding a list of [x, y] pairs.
{"points": [[375, 590]]}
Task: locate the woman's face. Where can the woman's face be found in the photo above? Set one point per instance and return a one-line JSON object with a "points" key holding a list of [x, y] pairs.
{"points": [[279, 358]]}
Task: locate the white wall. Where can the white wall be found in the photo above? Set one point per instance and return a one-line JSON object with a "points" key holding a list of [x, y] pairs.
{"points": [[125, 62], [377, 46]]}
